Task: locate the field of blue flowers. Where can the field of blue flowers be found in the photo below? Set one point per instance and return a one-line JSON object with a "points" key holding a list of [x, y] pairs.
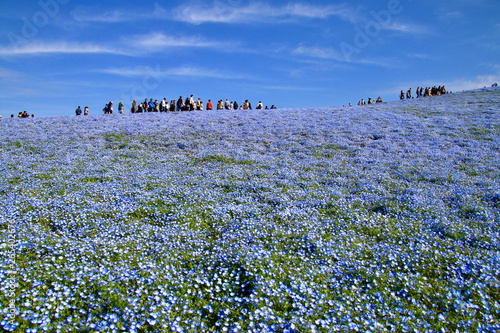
{"points": [[381, 218]]}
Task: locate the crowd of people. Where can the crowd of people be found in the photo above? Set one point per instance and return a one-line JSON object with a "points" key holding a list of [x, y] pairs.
{"points": [[189, 104], [23, 114], [370, 101], [424, 92], [420, 92]]}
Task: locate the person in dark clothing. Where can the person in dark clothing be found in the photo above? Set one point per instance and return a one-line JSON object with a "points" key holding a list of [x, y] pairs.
{"points": [[78, 111], [235, 105], [180, 104]]}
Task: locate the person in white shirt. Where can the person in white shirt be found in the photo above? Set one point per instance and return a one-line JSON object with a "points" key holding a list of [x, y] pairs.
{"points": [[163, 105]]}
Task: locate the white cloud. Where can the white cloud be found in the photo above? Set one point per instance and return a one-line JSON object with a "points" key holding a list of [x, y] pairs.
{"points": [[8, 74], [454, 15], [128, 46], [59, 47], [160, 40], [407, 28], [184, 71], [85, 15], [474, 83], [290, 88], [456, 85], [335, 55], [257, 12], [321, 53], [219, 12]]}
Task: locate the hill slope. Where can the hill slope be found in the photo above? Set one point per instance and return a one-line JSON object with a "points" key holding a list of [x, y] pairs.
{"points": [[380, 218]]}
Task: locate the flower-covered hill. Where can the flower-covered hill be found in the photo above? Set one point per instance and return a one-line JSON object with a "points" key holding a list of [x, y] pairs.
{"points": [[378, 218]]}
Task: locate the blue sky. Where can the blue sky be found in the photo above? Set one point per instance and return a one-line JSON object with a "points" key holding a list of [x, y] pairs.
{"points": [[58, 54]]}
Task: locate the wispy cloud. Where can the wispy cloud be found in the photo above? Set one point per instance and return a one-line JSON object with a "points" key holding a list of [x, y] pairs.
{"points": [[456, 85], [59, 47], [290, 88], [335, 55], [321, 53], [160, 40], [92, 14], [407, 28], [445, 14], [474, 83], [132, 46], [258, 12], [81, 14], [183, 71], [8, 74]]}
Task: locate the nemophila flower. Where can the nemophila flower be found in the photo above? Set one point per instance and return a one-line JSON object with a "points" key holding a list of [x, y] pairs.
{"points": [[323, 218]]}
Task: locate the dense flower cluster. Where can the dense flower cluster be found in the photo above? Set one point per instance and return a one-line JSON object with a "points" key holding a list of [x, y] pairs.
{"points": [[382, 218]]}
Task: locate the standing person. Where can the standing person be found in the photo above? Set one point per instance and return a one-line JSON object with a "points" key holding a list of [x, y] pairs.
{"points": [[210, 105], [86, 111], [133, 109], [151, 105], [180, 104], [156, 106], [235, 105], [260, 106], [227, 105], [163, 105], [192, 104], [402, 95], [408, 94], [198, 104], [110, 107], [78, 111], [120, 107]]}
